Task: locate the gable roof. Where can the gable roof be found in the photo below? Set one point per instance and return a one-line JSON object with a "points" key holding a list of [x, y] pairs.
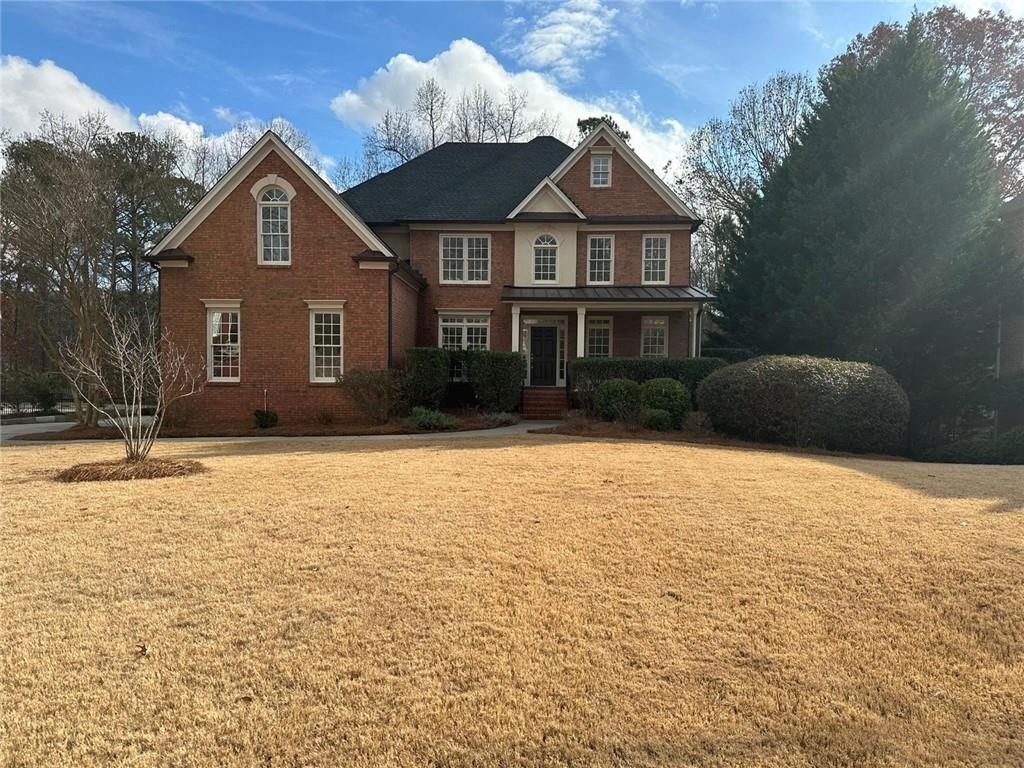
{"points": [[605, 131], [458, 182], [269, 142], [547, 184]]}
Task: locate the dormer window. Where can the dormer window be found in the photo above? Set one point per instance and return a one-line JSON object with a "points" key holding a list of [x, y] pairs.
{"points": [[601, 170], [545, 259], [275, 229]]}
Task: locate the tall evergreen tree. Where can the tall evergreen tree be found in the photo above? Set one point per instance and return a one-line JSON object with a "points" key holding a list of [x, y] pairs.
{"points": [[874, 239]]}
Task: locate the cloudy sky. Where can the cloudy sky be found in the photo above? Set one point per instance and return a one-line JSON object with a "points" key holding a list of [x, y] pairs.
{"points": [[333, 68]]}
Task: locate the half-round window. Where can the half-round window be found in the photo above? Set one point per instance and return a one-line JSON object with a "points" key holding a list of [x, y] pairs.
{"points": [[275, 228], [545, 259]]}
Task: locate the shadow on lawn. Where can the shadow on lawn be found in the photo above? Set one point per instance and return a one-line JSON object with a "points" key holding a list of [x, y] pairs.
{"points": [[1002, 485]]}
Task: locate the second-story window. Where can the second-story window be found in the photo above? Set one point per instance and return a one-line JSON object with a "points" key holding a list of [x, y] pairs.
{"points": [[545, 259], [600, 252], [465, 258], [600, 170], [655, 259], [275, 227]]}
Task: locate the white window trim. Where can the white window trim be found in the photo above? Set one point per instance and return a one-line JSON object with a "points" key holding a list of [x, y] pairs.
{"points": [[643, 322], [611, 333], [668, 259], [465, 258], [257, 190], [533, 259], [611, 271], [594, 155], [455, 315], [222, 305], [324, 305]]}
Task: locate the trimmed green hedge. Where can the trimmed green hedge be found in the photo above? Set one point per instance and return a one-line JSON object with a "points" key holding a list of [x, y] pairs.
{"points": [[589, 372], [426, 376], [1008, 448], [808, 401], [666, 395], [657, 419], [729, 354], [497, 379], [618, 400]]}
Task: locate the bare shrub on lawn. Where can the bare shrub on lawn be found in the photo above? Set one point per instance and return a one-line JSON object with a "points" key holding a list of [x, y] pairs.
{"points": [[129, 367]]}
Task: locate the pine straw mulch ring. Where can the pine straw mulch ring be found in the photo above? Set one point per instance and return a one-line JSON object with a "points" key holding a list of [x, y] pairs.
{"points": [[148, 469]]}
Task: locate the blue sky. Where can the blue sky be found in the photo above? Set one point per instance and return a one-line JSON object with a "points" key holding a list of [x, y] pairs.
{"points": [[331, 68]]}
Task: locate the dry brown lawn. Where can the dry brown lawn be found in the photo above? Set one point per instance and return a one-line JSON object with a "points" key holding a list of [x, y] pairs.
{"points": [[537, 600]]}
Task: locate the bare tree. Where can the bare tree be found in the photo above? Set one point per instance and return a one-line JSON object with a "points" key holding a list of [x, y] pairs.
{"points": [[57, 250], [431, 110], [392, 141], [472, 120], [131, 367], [726, 160]]}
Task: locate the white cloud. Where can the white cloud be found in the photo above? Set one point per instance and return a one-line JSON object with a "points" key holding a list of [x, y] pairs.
{"points": [[30, 89], [466, 64], [563, 39], [971, 7]]}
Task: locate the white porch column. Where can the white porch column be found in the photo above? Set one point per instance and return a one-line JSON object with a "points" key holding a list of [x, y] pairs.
{"points": [[581, 331], [515, 327], [693, 332]]}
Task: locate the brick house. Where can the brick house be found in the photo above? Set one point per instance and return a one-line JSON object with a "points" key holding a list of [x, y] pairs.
{"points": [[533, 247]]}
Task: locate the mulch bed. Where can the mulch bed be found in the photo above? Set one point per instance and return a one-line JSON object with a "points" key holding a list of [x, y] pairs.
{"points": [[234, 429], [149, 469]]}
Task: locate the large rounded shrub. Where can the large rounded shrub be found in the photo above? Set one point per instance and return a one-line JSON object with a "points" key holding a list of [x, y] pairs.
{"points": [[808, 401], [657, 419], [617, 400], [666, 395]]}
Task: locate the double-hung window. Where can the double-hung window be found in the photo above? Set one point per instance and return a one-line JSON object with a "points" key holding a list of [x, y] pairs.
{"points": [[654, 337], [463, 333], [600, 259], [599, 337], [656, 250], [545, 259], [326, 341], [465, 258], [223, 342], [275, 227], [601, 170]]}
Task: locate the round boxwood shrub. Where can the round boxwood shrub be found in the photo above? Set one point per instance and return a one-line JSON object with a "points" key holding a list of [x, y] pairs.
{"points": [[617, 400], [808, 401], [657, 419], [666, 395]]}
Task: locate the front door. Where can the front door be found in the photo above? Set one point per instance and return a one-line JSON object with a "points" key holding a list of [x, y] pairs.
{"points": [[543, 357]]}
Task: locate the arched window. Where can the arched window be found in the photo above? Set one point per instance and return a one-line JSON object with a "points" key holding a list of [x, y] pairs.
{"points": [[545, 259], [275, 227]]}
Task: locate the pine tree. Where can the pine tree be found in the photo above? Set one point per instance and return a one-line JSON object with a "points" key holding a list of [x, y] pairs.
{"points": [[874, 239]]}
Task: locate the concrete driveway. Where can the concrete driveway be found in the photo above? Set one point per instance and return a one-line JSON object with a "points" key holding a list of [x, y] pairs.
{"points": [[10, 431]]}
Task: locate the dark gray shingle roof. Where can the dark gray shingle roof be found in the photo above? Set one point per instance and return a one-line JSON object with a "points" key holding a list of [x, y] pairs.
{"points": [[458, 182]]}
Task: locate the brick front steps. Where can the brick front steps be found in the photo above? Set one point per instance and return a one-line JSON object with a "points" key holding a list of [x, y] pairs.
{"points": [[544, 403]]}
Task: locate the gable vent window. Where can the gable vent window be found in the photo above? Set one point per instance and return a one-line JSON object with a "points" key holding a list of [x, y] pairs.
{"points": [[275, 227], [545, 259], [600, 170]]}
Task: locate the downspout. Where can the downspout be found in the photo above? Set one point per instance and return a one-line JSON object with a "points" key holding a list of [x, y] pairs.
{"points": [[391, 272]]}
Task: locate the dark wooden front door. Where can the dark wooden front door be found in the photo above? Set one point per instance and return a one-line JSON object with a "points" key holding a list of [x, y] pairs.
{"points": [[543, 355]]}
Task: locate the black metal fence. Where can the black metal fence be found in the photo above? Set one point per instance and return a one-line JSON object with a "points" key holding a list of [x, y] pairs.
{"points": [[65, 405]]}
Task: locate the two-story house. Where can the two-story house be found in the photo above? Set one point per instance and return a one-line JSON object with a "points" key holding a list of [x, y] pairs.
{"points": [[533, 247]]}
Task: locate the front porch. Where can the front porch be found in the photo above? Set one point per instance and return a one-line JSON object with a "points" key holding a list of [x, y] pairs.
{"points": [[550, 326]]}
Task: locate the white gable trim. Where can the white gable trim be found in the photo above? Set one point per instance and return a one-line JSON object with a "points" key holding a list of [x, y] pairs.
{"points": [[631, 157], [547, 183], [269, 142]]}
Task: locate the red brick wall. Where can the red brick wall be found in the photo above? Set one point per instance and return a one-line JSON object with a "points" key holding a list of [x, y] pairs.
{"points": [[424, 254], [629, 255], [404, 310], [628, 194], [274, 317]]}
